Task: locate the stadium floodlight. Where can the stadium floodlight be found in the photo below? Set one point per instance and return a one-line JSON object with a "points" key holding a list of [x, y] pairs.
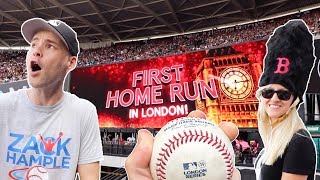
{"points": [[15, 48]]}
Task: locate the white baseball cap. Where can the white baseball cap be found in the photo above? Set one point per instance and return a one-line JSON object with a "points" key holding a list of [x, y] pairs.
{"points": [[68, 36]]}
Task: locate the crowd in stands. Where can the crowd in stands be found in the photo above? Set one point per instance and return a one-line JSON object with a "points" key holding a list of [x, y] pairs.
{"points": [[12, 63], [12, 66]]}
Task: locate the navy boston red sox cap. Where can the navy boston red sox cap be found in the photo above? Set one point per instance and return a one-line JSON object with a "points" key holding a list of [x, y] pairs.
{"points": [[68, 36]]}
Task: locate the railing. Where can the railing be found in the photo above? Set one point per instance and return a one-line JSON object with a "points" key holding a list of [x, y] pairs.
{"points": [[118, 174]]}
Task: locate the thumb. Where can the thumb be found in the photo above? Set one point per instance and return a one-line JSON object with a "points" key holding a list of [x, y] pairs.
{"points": [[197, 114], [141, 155], [230, 129]]}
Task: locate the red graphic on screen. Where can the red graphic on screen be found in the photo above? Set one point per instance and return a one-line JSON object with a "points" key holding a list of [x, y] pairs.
{"points": [[149, 93]]}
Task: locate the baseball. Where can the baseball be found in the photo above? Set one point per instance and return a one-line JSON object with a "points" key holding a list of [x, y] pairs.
{"points": [[37, 173], [191, 148]]}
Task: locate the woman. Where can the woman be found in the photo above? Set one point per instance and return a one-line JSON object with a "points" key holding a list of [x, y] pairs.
{"points": [[289, 152]]}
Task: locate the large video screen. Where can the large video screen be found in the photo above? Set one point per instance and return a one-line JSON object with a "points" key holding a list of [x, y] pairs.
{"points": [[149, 93]]}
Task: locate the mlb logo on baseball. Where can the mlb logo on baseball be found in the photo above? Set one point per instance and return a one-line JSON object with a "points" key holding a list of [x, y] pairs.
{"points": [[190, 166], [194, 165]]}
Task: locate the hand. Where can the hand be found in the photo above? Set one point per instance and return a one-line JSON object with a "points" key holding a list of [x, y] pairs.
{"points": [[137, 164], [236, 174]]}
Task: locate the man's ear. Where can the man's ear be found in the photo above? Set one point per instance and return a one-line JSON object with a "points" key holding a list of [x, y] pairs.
{"points": [[72, 63]]}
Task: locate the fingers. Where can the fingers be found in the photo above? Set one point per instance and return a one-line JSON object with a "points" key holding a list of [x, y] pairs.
{"points": [[230, 129], [197, 114], [236, 174], [139, 159]]}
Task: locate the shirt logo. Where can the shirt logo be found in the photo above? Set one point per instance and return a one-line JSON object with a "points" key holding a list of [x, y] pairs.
{"points": [[49, 144], [25, 152]]}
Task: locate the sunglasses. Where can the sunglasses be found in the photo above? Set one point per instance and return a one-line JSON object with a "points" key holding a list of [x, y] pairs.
{"points": [[282, 94]]}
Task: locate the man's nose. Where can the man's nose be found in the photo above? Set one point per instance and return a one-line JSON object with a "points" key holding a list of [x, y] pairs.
{"points": [[36, 51]]}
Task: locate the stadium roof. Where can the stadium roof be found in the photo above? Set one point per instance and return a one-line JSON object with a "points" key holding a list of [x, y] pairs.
{"points": [[119, 20]]}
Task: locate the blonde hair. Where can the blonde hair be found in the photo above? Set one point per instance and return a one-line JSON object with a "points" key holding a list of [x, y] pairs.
{"points": [[276, 139]]}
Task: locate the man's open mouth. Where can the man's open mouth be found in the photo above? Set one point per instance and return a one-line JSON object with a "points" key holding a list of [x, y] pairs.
{"points": [[35, 67]]}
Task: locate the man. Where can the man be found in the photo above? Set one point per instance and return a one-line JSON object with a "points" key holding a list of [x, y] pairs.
{"points": [[46, 132]]}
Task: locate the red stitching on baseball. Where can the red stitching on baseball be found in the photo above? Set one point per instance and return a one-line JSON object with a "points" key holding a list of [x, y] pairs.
{"points": [[182, 138], [39, 169], [34, 176]]}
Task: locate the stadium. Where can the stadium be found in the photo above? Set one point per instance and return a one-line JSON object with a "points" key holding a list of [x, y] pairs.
{"points": [[143, 63]]}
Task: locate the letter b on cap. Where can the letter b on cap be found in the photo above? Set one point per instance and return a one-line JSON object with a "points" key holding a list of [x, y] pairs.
{"points": [[283, 65]]}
